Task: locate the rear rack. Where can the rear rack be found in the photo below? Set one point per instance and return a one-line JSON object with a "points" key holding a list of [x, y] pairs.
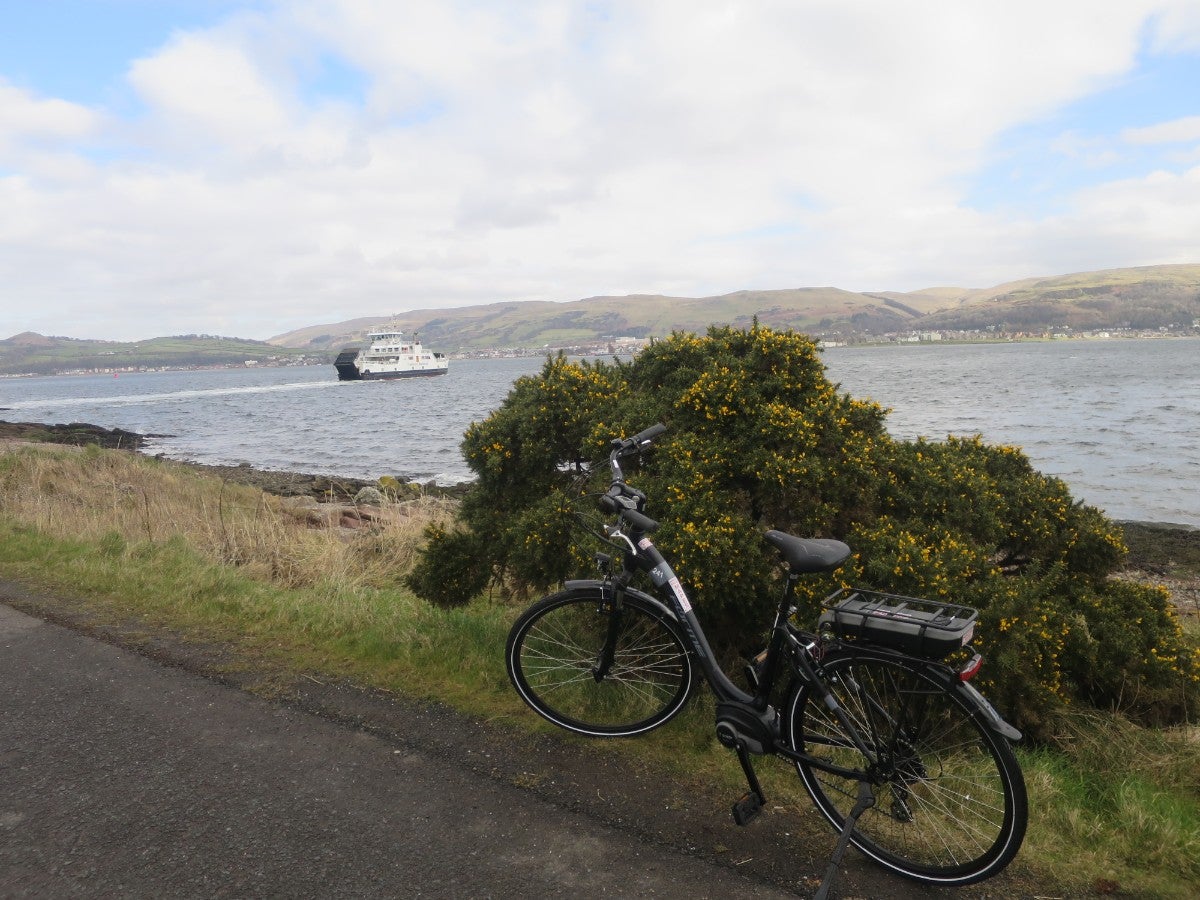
{"points": [[928, 628]]}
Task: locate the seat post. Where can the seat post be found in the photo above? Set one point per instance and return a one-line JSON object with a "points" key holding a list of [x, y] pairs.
{"points": [[786, 602]]}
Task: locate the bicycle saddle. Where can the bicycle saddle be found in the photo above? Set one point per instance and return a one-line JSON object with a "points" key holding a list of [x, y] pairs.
{"points": [[806, 556]]}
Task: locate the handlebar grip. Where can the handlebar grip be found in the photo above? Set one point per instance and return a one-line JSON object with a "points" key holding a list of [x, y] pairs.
{"points": [[639, 521], [644, 437]]}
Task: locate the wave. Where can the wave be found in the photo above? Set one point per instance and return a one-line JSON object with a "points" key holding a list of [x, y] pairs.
{"points": [[168, 396]]}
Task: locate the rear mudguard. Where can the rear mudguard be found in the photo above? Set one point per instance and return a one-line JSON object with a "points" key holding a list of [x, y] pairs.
{"points": [[984, 711], [994, 719]]}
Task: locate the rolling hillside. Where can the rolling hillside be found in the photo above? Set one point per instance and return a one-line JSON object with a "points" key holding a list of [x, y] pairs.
{"points": [[541, 323], [35, 354], [1142, 298], [1147, 297], [1150, 297]]}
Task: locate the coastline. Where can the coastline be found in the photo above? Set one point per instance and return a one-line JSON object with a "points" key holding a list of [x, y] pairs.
{"points": [[1160, 553], [282, 483]]}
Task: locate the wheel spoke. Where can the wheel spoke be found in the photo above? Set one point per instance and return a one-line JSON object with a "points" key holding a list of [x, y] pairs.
{"points": [[555, 651], [950, 805]]}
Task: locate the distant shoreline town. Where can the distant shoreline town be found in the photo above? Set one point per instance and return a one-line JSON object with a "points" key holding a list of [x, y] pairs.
{"points": [[625, 347], [1147, 302]]}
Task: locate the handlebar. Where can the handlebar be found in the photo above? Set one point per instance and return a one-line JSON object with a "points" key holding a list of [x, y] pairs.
{"points": [[648, 436], [621, 498], [640, 522], [637, 443]]}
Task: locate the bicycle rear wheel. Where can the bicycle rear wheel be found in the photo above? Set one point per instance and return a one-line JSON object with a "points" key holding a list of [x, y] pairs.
{"points": [[950, 804], [554, 657]]}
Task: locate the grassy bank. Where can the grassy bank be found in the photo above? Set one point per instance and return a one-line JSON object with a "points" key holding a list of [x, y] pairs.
{"points": [[1116, 808]]}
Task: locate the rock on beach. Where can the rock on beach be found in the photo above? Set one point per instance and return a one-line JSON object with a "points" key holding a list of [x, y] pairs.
{"points": [[77, 433]]}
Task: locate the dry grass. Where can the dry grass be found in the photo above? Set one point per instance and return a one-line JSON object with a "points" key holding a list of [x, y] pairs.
{"points": [[121, 499], [1117, 805]]}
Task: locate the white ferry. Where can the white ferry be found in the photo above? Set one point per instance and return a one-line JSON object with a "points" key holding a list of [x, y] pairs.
{"points": [[389, 354]]}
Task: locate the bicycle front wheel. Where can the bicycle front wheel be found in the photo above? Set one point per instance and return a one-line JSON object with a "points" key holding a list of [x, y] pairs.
{"points": [[950, 804], [594, 670]]}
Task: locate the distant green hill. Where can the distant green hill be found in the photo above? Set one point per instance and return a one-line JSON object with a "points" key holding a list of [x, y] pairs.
{"points": [[1147, 297], [36, 354], [539, 324], [1142, 298]]}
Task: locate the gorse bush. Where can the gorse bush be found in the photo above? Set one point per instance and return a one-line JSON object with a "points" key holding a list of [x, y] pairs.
{"points": [[759, 438]]}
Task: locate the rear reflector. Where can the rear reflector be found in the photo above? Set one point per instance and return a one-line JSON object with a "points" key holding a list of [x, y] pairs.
{"points": [[973, 665]]}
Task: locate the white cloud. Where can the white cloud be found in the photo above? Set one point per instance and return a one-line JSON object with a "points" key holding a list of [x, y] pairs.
{"points": [[24, 116], [1091, 152], [557, 150], [42, 137], [206, 93], [1183, 130], [1177, 26]]}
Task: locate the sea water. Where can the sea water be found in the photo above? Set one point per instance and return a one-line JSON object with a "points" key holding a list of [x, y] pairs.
{"points": [[1117, 420], [292, 419]]}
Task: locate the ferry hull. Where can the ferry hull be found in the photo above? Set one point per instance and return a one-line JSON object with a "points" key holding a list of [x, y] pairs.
{"points": [[388, 376]]}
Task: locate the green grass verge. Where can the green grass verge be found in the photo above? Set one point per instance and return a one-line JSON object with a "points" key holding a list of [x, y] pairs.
{"points": [[383, 638], [1121, 812]]}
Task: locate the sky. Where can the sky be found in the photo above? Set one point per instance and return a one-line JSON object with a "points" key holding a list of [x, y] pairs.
{"points": [[247, 167]]}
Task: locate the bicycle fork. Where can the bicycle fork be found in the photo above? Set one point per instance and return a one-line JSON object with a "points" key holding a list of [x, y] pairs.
{"points": [[608, 652]]}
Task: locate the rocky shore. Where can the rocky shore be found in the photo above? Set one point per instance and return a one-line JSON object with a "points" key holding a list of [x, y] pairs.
{"points": [[1166, 555], [284, 484], [77, 433], [1159, 553], [289, 484]]}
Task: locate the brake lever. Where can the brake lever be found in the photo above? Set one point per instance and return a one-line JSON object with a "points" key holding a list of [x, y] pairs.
{"points": [[614, 531]]}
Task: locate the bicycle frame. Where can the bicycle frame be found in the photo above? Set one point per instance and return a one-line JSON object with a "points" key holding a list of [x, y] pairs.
{"points": [[895, 685], [640, 554]]}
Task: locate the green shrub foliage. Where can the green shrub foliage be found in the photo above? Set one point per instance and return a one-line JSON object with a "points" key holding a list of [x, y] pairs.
{"points": [[759, 438]]}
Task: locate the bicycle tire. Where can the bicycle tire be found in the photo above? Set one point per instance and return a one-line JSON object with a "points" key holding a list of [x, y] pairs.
{"points": [[553, 649], [951, 807]]}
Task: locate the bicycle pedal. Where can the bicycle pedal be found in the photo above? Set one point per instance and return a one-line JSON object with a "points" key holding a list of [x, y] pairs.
{"points": [[747, 808]]}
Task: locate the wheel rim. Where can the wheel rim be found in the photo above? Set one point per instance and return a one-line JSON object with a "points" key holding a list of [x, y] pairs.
{"points": [[554, 661], [949, 807]]}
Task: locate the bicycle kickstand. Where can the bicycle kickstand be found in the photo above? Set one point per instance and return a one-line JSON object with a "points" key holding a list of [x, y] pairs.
{"points": [[752, 803], [866, 799]]}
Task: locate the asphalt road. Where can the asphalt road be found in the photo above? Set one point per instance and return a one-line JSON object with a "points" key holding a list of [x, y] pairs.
{"points": [[123, 777], [135, 763]]}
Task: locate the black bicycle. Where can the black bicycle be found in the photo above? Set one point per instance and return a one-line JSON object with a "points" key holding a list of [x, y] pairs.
{"points": [[898, 751]]}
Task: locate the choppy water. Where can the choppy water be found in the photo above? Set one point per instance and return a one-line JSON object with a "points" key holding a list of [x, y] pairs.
{"points": [[1117, 420], [295, 419]]}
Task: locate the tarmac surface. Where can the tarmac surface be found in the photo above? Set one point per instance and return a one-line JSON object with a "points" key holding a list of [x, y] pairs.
{"points": [[122, 777], [130, 766]]}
